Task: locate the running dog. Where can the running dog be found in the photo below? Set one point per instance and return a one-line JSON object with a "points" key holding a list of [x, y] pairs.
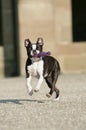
{"points": [[42, 65]]}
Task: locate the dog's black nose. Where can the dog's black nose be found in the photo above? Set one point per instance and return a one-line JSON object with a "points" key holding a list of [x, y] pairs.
{"points": [[34, 51]]}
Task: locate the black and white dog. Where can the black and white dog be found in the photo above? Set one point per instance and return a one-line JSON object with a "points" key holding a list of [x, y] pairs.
{"points": [[46, 67]]}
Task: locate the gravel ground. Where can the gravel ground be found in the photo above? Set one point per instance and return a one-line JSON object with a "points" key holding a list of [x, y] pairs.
{"points": [[19, 111]]}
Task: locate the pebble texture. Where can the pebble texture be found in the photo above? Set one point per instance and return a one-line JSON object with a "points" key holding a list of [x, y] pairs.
{"points": [[19, 111]]}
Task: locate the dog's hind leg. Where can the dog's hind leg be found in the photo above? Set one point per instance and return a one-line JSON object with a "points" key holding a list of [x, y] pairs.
{"points": [[57, 92], [50, 85], [51, 81]]}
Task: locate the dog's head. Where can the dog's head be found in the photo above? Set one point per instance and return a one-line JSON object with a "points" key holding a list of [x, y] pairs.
{"points": [[33, 49]]}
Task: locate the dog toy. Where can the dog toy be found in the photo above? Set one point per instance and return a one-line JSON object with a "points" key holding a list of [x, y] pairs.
{"points": [[42, 54]]}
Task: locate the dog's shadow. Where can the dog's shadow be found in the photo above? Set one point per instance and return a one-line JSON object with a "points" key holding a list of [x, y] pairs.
{"points": [[20, 101]]}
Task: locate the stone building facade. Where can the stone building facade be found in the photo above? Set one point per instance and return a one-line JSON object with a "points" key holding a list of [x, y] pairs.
{"points": [[52, 20]]}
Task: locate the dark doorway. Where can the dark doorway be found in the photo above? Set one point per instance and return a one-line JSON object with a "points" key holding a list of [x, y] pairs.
{"points": [[10, 36], [0, 25], [79, 20]]}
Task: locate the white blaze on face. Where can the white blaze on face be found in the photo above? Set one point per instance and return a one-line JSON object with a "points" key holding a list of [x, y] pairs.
{"points": [[34, 48]]}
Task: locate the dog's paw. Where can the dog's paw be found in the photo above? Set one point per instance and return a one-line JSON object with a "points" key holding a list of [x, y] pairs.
{"points": [[56, 99], [48, 95], [36, 90], [31, 93]]}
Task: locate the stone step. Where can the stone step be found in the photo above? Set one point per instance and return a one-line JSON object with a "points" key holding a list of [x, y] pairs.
{"points": [[72, 57], [71, 48], [73, 63]]}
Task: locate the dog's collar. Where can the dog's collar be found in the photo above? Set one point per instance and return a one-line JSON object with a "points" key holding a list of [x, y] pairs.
{"points": [[36, 59]]}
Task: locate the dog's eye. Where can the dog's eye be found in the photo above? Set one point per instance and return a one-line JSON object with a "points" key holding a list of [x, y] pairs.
{"points": [[30, 47], [38, 47]]}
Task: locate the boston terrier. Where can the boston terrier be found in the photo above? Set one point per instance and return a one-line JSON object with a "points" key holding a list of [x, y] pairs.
{"points": [[42, 66]]}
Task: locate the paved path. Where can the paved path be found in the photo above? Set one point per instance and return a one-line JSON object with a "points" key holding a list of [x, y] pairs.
{"points": [[19, 111]]}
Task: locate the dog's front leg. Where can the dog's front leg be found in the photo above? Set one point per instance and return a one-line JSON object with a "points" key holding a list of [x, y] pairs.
{"points": [[28, 80], [39, 83], [40, 72]]}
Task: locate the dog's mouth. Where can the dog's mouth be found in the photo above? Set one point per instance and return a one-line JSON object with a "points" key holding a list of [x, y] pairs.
{"points": [[35, 53]]}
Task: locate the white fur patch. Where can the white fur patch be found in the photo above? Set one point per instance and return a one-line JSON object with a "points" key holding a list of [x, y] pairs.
{"points": [[34, 70], [34, 46]]}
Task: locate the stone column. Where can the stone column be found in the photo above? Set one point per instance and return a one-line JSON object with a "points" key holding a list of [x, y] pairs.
{"points": [[9, 38], [63, 22]]}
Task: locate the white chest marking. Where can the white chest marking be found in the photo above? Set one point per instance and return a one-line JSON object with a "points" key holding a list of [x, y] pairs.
{"points": [[36, 68]]}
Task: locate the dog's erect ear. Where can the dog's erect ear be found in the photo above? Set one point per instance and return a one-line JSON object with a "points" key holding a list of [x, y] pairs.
{"points": [[40, 41], [27, 42]]}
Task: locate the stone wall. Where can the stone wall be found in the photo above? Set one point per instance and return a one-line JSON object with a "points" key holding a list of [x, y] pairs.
{"points": [[50, 19], [62, 17]]}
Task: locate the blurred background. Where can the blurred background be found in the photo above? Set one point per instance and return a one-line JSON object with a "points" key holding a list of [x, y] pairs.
{"points": [[61, 23]]}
